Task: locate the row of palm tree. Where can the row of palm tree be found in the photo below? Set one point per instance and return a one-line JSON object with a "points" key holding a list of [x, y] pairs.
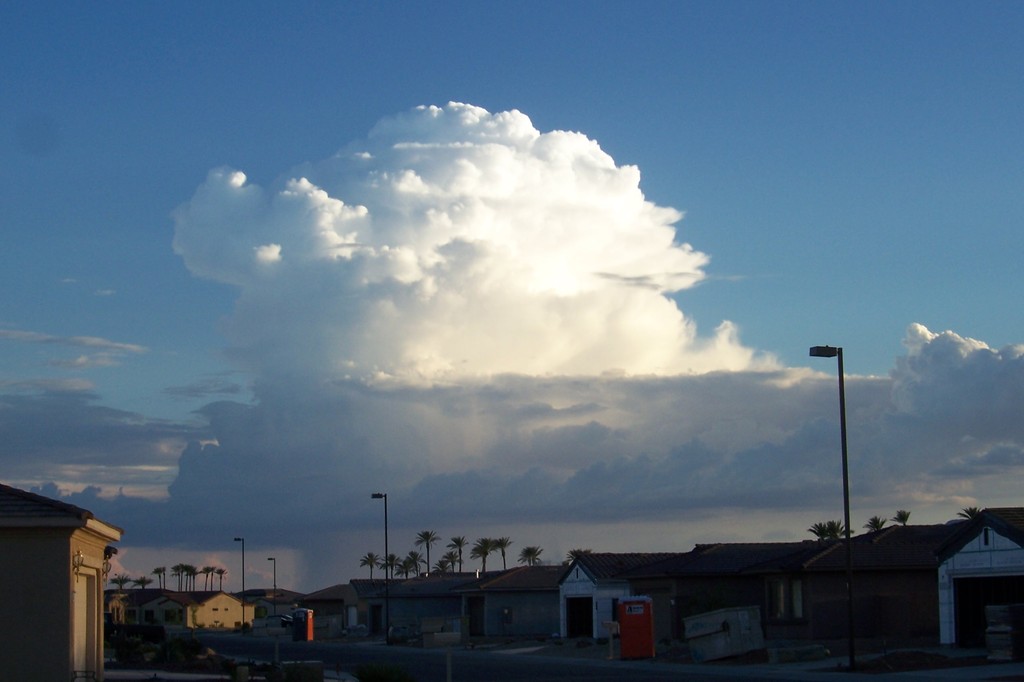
{"points": [[185, 573], [834, 530], [451, 561]]}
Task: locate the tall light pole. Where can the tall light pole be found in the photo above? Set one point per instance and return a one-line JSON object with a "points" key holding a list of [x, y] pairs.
{"points": [[834, 352], [387, 573], [242, 540], [274, 598]]}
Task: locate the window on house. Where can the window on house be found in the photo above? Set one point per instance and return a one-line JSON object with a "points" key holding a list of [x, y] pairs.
{"points": [[150, 616], [785, 598], [984, 537]]}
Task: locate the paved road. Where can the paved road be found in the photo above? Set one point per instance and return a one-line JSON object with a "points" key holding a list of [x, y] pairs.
{"points": [[431, 665]]}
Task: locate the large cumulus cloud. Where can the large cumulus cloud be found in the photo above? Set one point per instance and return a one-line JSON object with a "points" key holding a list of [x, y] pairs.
{"points": [[452, 242]]}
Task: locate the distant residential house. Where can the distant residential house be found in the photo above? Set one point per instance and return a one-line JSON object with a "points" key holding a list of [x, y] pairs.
{"points": [[53, 567], [981, 564], [370, 596], [335, 609], [800, 587], [590, 589], [521, 601], [266, 602], [201, 609]]}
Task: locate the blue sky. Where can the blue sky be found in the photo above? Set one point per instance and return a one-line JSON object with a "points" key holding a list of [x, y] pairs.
{"points": [[848, 170]]}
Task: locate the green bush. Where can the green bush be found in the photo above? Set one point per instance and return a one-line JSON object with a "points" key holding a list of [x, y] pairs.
{"points": [[382, 672]]}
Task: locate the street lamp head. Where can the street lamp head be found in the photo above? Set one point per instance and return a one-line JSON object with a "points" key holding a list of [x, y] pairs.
{"points": [[270, 558], [824, 351], [379, 496], [239, 539]]}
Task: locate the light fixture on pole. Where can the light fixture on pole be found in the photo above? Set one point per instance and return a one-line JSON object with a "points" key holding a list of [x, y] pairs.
{"points": [[837, 352], [242, 540], [387, 573], [274, 598]]}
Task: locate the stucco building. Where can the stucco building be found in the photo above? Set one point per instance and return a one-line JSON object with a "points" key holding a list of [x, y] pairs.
{"points": [[52, 557]]}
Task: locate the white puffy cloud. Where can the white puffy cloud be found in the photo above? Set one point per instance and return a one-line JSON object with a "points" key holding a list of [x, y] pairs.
{"points": [[452, 243]]}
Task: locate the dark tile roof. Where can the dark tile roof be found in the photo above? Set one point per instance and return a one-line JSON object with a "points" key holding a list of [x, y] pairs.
{"points": [[434, 585], [338, 592], [896, 547], [734, 559], [519, 579], [606, 565], [20, 504], [367, 588]]}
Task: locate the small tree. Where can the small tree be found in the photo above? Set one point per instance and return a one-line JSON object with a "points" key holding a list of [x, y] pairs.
{"points": [[968, 512], [370, 559], [142, 581], [574, 554], [530, 555], [457, 544], [875, 523], [902, 517], [828, 530], [426, 538]]}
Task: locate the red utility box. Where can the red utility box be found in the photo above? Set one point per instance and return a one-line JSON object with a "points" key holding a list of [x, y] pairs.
{"points": [[636, 628]]}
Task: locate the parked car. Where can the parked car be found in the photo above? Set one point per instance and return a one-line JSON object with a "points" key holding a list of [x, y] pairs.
{"points": [[282, 620]]}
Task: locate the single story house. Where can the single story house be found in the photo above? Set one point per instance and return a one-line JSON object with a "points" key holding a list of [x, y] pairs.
{"points": [[981, 564], [335, 610], [590, 588], [53, 565], [518, 602], [800, 587], [200, 609]]}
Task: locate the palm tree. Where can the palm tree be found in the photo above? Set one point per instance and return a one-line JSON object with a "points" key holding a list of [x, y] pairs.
{"points": [[451, 558], [425, 538], [458, 543], [502, 544], [370, 559], [121, 580], [530, 555], [828, 530], [481, 549], [902, 517], [160, 572], [220, 573], [415, 559], [190, 572], [207, 576], [142, 581], [875, 523], [178, 571], [574, 554], [442, 566], [968, 512], [389, 564]]}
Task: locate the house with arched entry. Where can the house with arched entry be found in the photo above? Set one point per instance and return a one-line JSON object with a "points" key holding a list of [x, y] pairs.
{"points": [[53, 564], [981, 565]]}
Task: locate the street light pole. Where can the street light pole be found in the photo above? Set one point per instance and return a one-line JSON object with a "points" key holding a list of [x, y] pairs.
{"points": [[837, 352], [274, 598], [242, 540], [387, 573]]}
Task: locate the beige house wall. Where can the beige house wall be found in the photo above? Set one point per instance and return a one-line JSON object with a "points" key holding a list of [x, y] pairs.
{"points": [[53, 618]]}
